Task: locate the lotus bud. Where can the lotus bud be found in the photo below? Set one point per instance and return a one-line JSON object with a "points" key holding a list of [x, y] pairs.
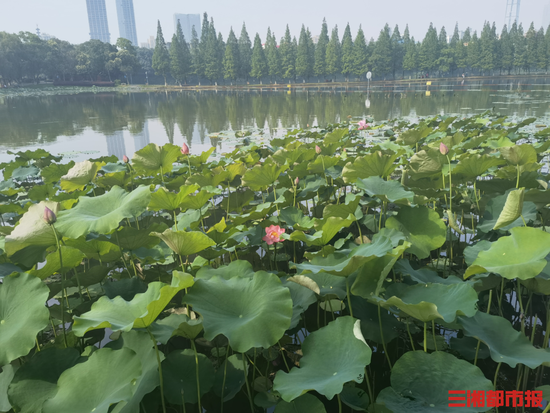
{"points": [[317, 149], [308, 125], [296, 181], [185, 149], [125, 159], [443, 149], [49, 216]]}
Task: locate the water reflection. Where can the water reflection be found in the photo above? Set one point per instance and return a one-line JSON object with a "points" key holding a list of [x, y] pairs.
{"points": [[118, 124]]}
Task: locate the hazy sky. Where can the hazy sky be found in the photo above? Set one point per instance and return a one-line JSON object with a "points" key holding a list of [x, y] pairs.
{"points": [[67, 19]]}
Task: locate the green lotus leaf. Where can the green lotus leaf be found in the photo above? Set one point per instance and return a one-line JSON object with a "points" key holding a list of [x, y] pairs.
{"points": [[472, 251], [519, 154], [6, 377], [140, 312], [154, 158], [23, 315], [109, 180], [94, 248], [344, 210], [424, 275], [370, 326], [423, 228], [521, 255], [355, 398], [102, 214], [428, 163], [250, 312], [302, 298], [306, 403], [326, 228], [545, 392], [388, 191], [53, 173], [32, 229], [505, 343], [36, 381], [164, 199], [139, 342], [375, 164], [107, 377], [262, 176], [178, 371], [199, 160], [25, 172], [495, 208], [420, 383], [80, 175], [131, 239], [467, 348], [539, 197], [321, 164], [176, 325], [234, 371], [512, 208], [475, 165], [185, 243], [344, 265], [329, 284], [427, 302], [71, 259], [295, 218], [333, 355], [196, 201], [541, 283]]}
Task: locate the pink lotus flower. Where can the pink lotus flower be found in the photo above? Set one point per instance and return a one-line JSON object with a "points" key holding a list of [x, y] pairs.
{"points": [[49, 216], [125, 159], [296, 181], [317, 149], [185, 149], [362, 125], [443, 149], [273, 234]]}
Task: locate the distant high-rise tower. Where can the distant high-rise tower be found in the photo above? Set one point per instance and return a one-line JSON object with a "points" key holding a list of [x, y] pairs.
{"points": [[187, 22], [512, 12], [97, 17], [126, 20]]}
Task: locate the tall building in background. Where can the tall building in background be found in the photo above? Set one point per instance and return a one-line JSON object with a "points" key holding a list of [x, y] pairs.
{"points": [[126, 20], [97, 17], [187, 22]]}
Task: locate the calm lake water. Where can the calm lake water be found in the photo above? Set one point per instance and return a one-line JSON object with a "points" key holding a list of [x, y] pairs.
{"points": [[85, 125]]}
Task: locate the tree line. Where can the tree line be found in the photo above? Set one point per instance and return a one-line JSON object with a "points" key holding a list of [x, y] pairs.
{"points": [[210, 58]]}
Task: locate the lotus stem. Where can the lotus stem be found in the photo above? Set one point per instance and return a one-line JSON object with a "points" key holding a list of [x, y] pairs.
{"points": [[197, 374], [122, 255], [339, 403], [349, 297], [37, 344], [283, 355], [189, 164], [225, 374], [517, 181], [63, 292], [247, 385], [425, 336], [161, 380], [475, 195], [433, 335], [324, 173], [496, 376], [359, 229], [382, 337], [175, 220], [369, 388], [410, 335]]}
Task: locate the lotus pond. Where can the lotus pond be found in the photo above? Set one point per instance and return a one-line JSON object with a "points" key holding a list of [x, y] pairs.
{"points": [[331, 270]]}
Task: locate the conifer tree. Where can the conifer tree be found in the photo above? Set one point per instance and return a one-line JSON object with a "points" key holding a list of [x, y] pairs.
{"points": [[474, 52], [259, 62], [288, 56], [397, 50], [429, 51], [272, 55], [531, 46], [302, 56], [506, 51], [542, 53], [200, 67], [195, 53], [185, 53], [381, 55], [347, 53], [177, 64], [360, 54], [487, 49], [410, 61], [245, 54], [231, 57], [211, 54], [319, 68], [520, 47], [161, 58], [311, 52], [334, 54]]}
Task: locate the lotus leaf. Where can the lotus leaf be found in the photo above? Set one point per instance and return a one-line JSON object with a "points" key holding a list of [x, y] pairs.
{"points": [[521, 255], [428, 163], [333, 355], [107, 377], [22, 315], [178, 370], [119, 314], [302, 298], [250, 312], [326, 230], [306, 403], [420, 383], [374, 164], [234, 371], [176, 325], [164, 199], [32, 229], [71, 258], [388, 191], [102, 214], [80, 175], [154, 158], [5, 379], [512, 208], [519, 154], [185, 243], [423, 228], [505, 343], [475, 165], [262, 176], [495, 208]]}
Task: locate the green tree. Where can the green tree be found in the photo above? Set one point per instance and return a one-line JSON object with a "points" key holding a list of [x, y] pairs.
{"points": [[195, 53], [542, 51], [520, 47], [259, 61], [127, 54], [347, 53], [487, 43], [231, 57], [381, 56], [320, 66], [288, 56], [212, 65], [410, 61], [161, 58], [397, 51], [272, 55], [474, 52], [185, 52], [334, 54], [360, 54], [177, 62], [33, 54], [429, 50], [506, 49], [202, 54], [303, 61], [531, 45], [245, 54]]}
